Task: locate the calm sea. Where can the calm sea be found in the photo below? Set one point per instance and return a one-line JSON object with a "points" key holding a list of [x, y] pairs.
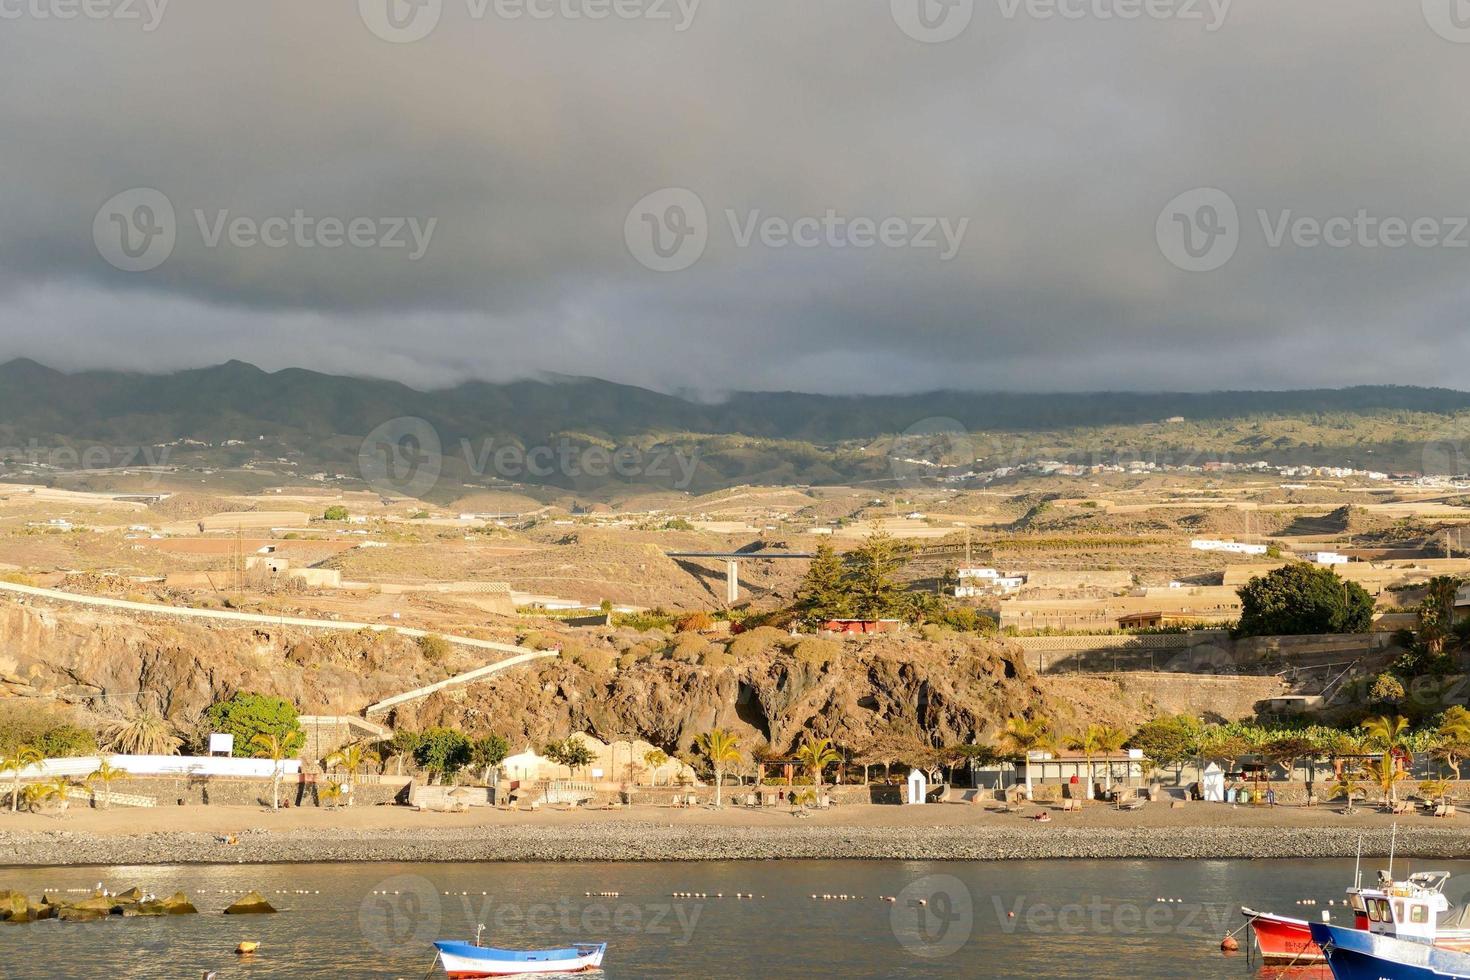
{"points": [[1040, 919]]}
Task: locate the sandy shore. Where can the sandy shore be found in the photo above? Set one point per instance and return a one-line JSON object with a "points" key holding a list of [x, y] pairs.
{"points": [[940, 832]]}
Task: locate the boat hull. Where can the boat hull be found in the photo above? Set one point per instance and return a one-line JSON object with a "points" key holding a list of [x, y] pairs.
{"points": [[1282, 940], [464, 961], [1354, 954]]}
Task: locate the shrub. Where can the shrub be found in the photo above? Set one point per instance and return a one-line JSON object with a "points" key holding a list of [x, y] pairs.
{"points": [[67, 740], [247, 715], [336, 512], [815, 652], [761, 640], [434, 648], [690, 647], [695, 622], [717, 658], [595, 659]]}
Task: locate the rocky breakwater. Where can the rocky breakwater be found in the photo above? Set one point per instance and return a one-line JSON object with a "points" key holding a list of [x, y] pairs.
{"points": [[17, 907]]}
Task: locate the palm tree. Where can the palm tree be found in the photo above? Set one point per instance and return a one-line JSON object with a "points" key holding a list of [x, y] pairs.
{"points": [[1089, 743], [1386, 773], [143, 732], [656, 760], [1347, 785], [816, 755], [105, 773], [352, 758], [722, 749], [1389, 732], [49, 789], [1109, 741], [1024, 736], [331, 793], [20, 758], [276, 749]]}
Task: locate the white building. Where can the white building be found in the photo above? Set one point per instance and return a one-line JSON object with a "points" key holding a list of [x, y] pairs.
{"points": [[1234, 547]]}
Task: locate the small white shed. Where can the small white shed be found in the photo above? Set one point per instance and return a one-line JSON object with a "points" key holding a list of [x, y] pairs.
{"points": [[1212, 783], [918, 787]]}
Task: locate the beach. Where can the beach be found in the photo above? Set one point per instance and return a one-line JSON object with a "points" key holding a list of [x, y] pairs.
{"points": [[229, 835]]}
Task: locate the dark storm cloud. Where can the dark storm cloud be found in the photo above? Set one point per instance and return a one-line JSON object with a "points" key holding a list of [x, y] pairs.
{"points": [[509, 151]]}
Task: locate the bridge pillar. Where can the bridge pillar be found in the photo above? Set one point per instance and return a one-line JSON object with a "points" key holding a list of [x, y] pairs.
{"points": [[732, 582]]}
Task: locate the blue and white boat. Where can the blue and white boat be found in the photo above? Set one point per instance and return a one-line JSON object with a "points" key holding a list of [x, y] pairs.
{"points": [[1359, 954], [470, 960]]}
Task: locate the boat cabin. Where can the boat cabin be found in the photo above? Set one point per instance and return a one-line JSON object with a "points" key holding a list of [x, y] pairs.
{"points": [[1416, 909]]}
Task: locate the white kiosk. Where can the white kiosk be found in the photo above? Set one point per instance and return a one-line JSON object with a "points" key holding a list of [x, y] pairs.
{"points": [[1212, 783], [918, 787]]}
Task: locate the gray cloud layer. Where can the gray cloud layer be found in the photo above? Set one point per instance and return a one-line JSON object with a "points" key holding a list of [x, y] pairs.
{"points": [[528, 141]]}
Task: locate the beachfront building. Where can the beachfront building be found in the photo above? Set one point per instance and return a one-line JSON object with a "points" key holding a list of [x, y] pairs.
{"points": [[1103, 770]]}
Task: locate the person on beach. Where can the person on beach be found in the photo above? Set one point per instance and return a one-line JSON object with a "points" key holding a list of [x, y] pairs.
{"points": [[1270, 796]]}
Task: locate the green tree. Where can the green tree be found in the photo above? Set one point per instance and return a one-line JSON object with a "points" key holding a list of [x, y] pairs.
{"points": [[1347, 785], [824, 592], [1089, 743], [247, 715], [1437, 612], [873, 583], [721, 749], [1299, 599], [487, 753], [1170, 740], [655, 759], [1452, 738], [442, 752], [336, 512]]}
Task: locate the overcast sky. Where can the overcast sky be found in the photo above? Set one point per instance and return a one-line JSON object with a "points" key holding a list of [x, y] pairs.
{"points": [[1009, 185]]}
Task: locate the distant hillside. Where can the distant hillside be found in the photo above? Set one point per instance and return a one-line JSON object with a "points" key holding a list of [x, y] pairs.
{"points": [[769, 437]]}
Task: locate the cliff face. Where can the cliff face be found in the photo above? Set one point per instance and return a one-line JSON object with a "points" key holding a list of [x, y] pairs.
{"points": [[956, 689], [75, 654], [765, 686]]}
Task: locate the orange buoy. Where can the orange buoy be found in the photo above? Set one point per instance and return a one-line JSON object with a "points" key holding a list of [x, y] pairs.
{"points": [[246, 948], [1229, 944]]}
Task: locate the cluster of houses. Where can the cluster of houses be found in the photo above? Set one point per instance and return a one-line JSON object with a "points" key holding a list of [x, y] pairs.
{"points": [[976, 582]]}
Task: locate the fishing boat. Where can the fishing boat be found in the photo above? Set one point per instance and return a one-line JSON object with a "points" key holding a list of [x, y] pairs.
{"points": [[1359, 954], [1416, 909], [467, 960]]}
